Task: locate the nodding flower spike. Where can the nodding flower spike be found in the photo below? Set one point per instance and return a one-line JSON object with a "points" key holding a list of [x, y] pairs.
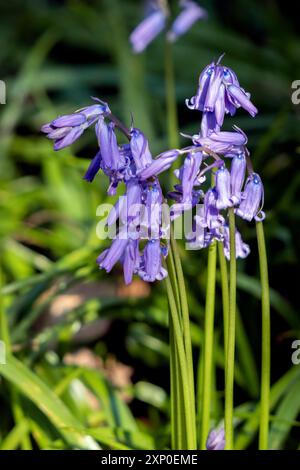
{"points": [[190, 13], [222, 177], [148, 29], [219, 92], [140, 149], [237, 177], [252, 199]]}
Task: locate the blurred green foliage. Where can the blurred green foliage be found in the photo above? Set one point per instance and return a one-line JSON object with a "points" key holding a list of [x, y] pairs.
{"points": [[55, 56]]}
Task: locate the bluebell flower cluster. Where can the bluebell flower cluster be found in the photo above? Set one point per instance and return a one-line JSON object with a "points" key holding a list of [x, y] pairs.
{"points": [[141, 241], [218, 94]]}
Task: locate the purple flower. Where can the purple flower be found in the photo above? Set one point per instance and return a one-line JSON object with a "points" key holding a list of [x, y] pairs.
{"points": [[211, 215], [131, 260], [200, 237], [223, 188], [93, 168], [148, 29], [65, 130], [242, 250], [107, 140], [151, 218], [223, 142], [190, 13], [189, 174], [160, 164], [237, 177], [140, 149], [219, 92], [216, 440], [252, 199], [151, 269], [112, 255]]}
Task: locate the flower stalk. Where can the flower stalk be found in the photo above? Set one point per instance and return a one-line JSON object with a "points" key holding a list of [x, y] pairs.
{"points": [[266, 333], [229, 365]]}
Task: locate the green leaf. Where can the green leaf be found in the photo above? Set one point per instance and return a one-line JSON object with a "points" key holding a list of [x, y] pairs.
{"points": [[39, 393]]}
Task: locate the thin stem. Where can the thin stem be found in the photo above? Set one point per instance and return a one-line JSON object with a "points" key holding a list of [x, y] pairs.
{"points": [[225, 293], [185, 328], [119, 124], [266, 346], [229, 366], [182, 369], [173, 135], [208, 343]]}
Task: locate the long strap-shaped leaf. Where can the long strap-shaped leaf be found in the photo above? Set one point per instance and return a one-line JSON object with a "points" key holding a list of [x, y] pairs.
{"points": [[43, 397]]}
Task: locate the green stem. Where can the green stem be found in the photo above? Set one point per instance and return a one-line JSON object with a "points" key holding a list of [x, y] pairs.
{"points": [[208, 343], [182, 369], [266, 333], [185, 328], [178, 440], [225, 293], [229, 365], [173, 135]]}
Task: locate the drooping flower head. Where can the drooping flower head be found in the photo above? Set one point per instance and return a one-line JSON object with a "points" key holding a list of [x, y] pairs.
{"points": [[219, 93]]}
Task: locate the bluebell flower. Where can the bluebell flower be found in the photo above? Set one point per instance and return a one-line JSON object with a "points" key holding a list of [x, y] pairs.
{"points": [[242, 250], [131, 260], [216, 440], [140, 149], [190, 13], [93, 168], [237, 177], [219, 92], [222, 177], [148, 29], [223, 142], [151, 217], [151, 267], [211, 215], [160, 164], [111, 157], [65, 130], [252, 199]]}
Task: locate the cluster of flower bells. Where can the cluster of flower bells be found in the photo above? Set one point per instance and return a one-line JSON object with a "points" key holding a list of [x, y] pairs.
{"points": [[142, 241]]}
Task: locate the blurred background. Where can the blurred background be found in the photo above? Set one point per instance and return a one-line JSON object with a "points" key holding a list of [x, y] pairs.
{"points": [[90, 366]]}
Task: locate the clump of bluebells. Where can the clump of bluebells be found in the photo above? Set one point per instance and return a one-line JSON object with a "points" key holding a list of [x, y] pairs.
{"points": [[141, 242]]}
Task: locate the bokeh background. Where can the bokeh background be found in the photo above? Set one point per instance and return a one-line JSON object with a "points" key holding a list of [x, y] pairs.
{"points": [[90, 356]]}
